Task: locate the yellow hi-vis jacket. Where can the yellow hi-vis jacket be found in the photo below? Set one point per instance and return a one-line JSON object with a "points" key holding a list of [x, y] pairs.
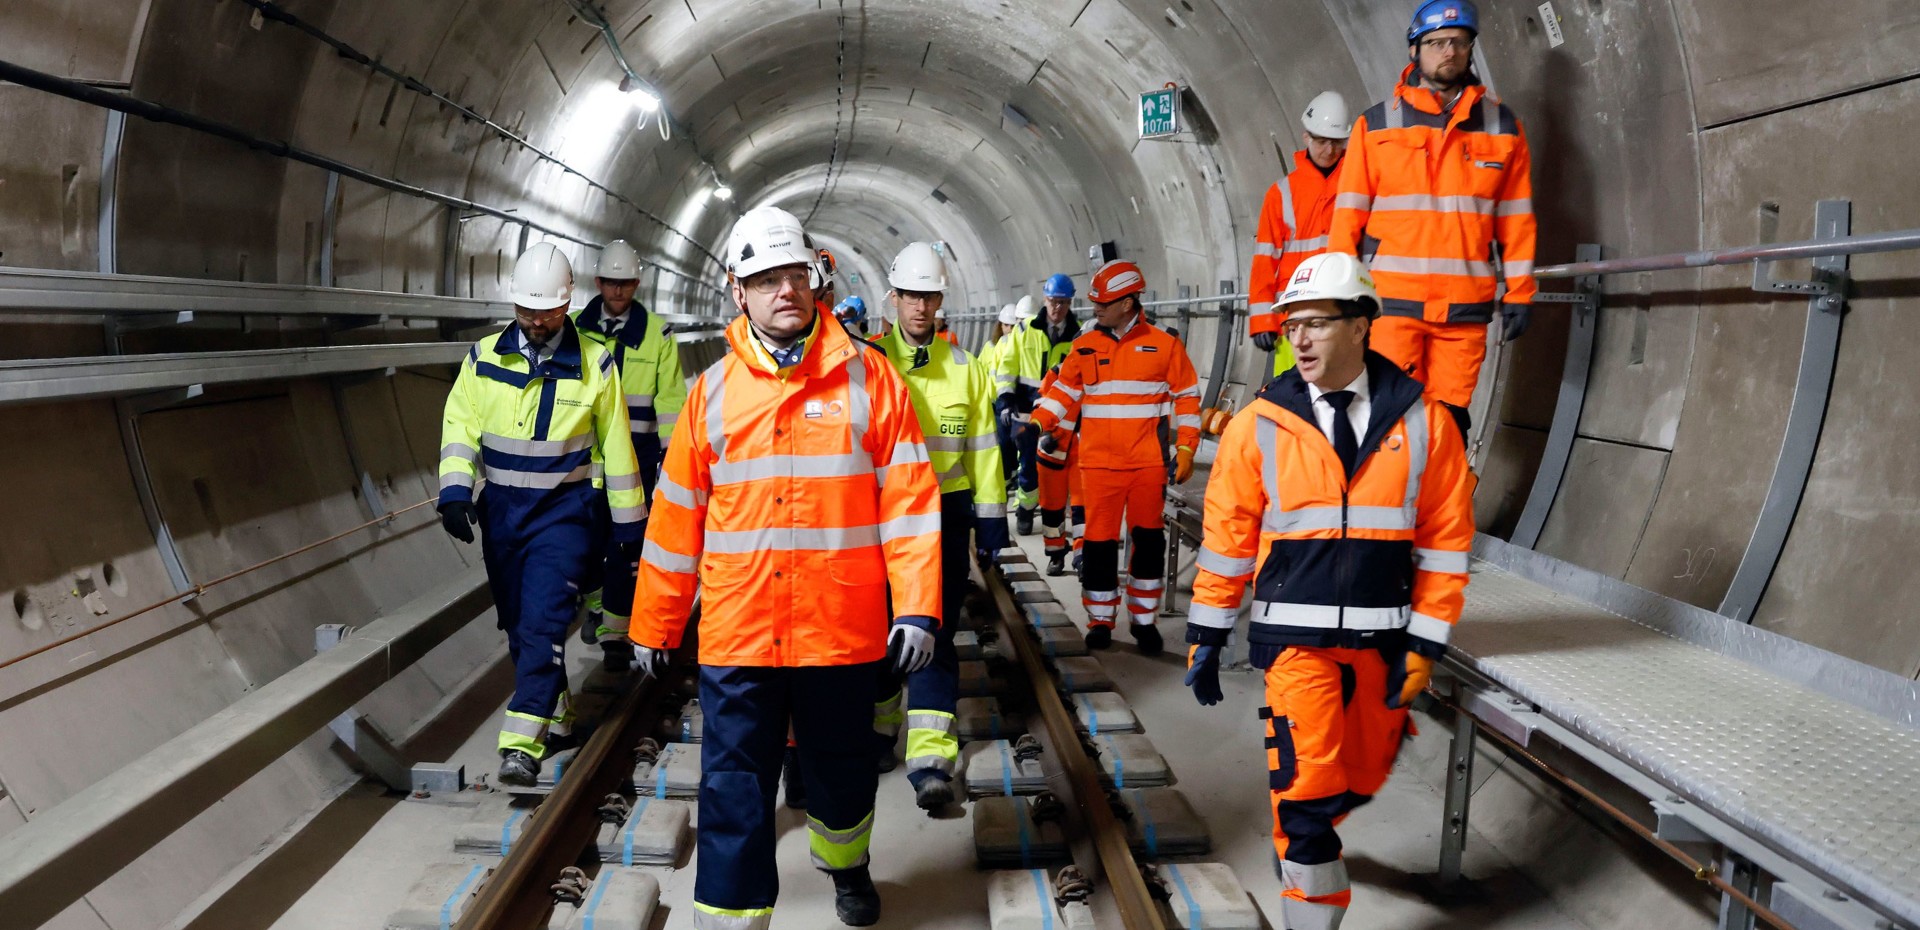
{"points": [[538, 436], [648, 359], [953, 396]]}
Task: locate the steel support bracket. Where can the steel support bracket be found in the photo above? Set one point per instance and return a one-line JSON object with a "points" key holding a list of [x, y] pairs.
{"points": [[1582, 323], [360, 737]]}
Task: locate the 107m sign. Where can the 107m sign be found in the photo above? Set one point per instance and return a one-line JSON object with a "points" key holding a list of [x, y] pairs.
{"points": [[1160, 112]]}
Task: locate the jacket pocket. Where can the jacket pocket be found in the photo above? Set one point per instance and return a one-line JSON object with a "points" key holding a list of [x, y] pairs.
{"points": [[1281, 764], [1487, 160], [857, 570]]}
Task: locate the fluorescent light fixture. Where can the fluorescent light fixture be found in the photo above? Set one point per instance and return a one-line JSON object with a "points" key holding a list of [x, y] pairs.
{"points": [[723, 192]]}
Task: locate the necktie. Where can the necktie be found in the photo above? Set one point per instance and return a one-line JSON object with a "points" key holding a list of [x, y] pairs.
{"points": [[1345, 444]]}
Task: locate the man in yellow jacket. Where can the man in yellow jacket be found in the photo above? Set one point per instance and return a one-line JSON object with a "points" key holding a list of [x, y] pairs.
{"points": [[535, 411], [799, 503], [648, 360], [953, 397]]}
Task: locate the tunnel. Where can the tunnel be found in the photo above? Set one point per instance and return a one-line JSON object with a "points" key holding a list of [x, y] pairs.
{"points": [[245, 246]]}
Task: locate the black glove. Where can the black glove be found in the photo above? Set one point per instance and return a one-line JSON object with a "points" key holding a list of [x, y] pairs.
{"points": [[1203, 675], [1266, 341], [1517, 317], [458, 518], [1048, 444], [990, 534]]}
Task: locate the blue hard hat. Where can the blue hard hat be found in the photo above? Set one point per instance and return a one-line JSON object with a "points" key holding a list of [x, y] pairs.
{"points": [[1058, 286], [853, 310], [1443, 14]]}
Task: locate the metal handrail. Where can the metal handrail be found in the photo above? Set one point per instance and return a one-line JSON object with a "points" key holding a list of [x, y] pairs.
{"points": [[1896, 241]]}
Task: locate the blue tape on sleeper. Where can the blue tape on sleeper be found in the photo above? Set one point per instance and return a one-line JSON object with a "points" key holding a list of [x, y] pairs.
{"points": [[1146, 823], [1093, 716], [660, 772], [1006, 769], [686, 729], [1193, 907], [1043, 896], [506, 831], [593, 901], [993, 720], [446, 909], [1119, 764], [626, 836]]}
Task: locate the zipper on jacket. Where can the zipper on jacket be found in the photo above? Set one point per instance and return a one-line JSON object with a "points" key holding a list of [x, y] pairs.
{"points": [[1343, 570]]}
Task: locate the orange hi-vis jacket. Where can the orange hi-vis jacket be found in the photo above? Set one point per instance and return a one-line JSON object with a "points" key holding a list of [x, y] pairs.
{"points": [[1436, 187], [792, 500], [1116, 388], [1294, 220], [1378, 560]]}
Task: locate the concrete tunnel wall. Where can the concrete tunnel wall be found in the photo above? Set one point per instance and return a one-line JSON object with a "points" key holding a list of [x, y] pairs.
{"points": [[1658, 126]]}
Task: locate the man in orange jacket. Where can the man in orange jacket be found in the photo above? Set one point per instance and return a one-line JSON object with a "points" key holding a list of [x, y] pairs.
{"points": [[1437, 174], [798, 500], [1342, 494], [1116, 383], [1294, 220], [1063, 517]]}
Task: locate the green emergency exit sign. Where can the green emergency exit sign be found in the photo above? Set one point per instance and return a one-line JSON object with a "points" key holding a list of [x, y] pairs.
{"points": [[1160, 112]]}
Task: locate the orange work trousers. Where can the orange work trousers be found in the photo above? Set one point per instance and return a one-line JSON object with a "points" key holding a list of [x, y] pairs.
{"points": [[1445, 357], [1331, 742], [1059, 492], [1137, 496]]}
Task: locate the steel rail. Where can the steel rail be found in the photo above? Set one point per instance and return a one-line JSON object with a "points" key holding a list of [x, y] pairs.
{"points": [[1896, 241], [1129, 889], [516, 897]]}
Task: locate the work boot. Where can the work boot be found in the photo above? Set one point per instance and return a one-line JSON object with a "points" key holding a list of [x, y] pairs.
{"points": [[1057, 562], [518, 769], [616, 656], [1147, 637], [855, 900], [1099, 636], [888, 761], [933, 794], [1023, 521], [590, 627], [790, 773]]}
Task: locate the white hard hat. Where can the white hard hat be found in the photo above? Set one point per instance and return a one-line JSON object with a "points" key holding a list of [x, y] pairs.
{"points": [[542, 278], [1009, 316], [1326, 116], [1331, 276], [918, 268], [939, 313], [769, 237], [619, 262], [1024, 309]]}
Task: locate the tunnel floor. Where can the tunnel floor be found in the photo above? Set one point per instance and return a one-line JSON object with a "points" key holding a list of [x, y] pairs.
{"points": [[925, 867]]}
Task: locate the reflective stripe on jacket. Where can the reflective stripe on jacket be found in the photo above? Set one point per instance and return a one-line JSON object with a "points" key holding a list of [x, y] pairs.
{"points": [[1337, 562], [791, 501], [953, 397], [1117, 389], [535, 433], [1436, 188], [1294, 220], [648, 359]]}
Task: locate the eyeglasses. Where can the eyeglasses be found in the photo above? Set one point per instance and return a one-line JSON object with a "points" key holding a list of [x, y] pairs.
{"points": [[771, 282], [1315, 326], [916, 297], [1448, 44], [537, 317]]}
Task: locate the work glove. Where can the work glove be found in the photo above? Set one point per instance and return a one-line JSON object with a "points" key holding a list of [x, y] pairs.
{"points": [[1048, 444], [1411, 673], [1266, 341], [990, 536], [458, 518], [910, 645], [1517, 317], [651, 662], [1203, 674], [1182, 465]]}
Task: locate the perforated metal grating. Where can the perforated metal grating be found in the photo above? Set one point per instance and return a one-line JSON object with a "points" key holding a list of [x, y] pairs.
{"points": [[1831, 784]]}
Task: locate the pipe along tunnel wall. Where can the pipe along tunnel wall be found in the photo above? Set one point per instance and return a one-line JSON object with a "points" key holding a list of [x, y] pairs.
{"points": [[1006, 130]]}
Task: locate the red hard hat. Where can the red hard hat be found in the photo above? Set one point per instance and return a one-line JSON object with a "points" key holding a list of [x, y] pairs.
{"points": [[1114, 280]]}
